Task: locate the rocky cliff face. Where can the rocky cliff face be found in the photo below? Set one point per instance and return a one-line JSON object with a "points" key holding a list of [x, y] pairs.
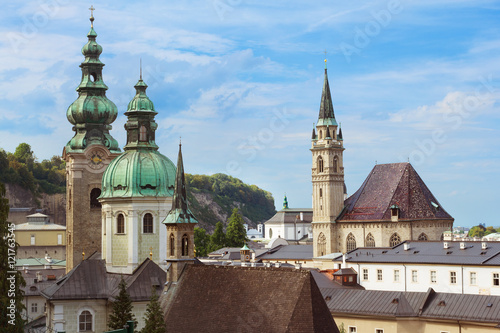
{"points": [[23, 203]]}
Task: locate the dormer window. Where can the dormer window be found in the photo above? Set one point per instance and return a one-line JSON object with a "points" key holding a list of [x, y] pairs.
{"points": [[395, 211]]}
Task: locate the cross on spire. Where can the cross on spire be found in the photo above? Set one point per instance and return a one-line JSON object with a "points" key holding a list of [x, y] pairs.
{"points": [[91, 16]]}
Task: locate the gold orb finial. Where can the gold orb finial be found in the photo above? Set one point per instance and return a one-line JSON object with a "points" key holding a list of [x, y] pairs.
{"points": [[83, 255], [151, 253], [91, 16]]}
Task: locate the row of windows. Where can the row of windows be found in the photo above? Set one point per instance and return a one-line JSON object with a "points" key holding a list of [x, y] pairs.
{"points": [[370, 240], [33, 239], [433, 277], [335, 165], [353, 329], [147, 224]]}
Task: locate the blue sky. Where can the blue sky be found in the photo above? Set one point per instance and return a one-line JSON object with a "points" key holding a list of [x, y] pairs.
{"points": [[241, 82]]}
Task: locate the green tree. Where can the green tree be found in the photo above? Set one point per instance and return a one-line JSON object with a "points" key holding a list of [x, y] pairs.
{"points": [[25, 155], [218, 238], [236, 235], [154, 316], [342, 328], [201, 242], [477, 231], [121, 309], [489, 230], [11, 295]]}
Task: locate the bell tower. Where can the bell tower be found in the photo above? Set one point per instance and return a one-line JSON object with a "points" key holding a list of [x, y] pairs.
{"points": [[327, 175], [180, 223], [87, 154]]}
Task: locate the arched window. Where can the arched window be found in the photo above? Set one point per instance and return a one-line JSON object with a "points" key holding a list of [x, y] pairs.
{"points": [[120, 224], [142, 134], [370, 240], [321, 244], [320, 134], [94, 194], [320, 192], [351, 242], [320, 164], [147, 223], [422, 237], [172, 245], [85, 321], [335, 164], [185, 245], [270, 233], [395, 240]]}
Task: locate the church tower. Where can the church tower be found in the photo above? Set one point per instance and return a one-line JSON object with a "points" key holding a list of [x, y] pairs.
{"points": [[327, 175], [87, 154], [137, 190], [180, 223]]}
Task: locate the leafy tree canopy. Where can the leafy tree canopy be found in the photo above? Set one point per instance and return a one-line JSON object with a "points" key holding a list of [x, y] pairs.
{"points": [[236, 235]]}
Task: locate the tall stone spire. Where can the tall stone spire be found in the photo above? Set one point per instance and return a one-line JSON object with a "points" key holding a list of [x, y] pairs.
{"points": [[180, 212], [92, 113], [326, 113]]}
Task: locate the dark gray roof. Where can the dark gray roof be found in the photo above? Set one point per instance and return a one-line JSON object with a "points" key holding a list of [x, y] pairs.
{"points": [[429, 252], [289, 252], [392, 184], [89, 280], [243, 299], [446, 306], [289, 215]]}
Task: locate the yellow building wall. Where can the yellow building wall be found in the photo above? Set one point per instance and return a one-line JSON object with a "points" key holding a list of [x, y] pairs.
{"points": [[42, 237], [409, 325]]}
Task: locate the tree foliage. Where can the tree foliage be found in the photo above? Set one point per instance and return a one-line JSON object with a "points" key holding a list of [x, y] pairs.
{"points": [[236, 235], [477, 231], [257, 204], [218, 238], [201, 242], [11, 295], [22, 168], [154, 316], [121, 309]]}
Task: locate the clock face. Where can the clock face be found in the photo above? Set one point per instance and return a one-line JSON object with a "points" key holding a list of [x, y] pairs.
{"points": [[95, 161]]}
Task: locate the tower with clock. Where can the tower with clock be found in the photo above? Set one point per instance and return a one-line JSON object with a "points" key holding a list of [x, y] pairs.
{"points": [[87, 154]]}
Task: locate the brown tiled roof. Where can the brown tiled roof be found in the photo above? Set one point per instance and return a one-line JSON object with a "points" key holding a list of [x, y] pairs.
{"points": [[244, 299], [392, 184]]}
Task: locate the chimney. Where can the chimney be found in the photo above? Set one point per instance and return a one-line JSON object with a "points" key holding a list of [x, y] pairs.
{"points": [[298, 265], [462, 245], [301, 216], [277, 264], [406, 246], [446, 245], [484, 245]]}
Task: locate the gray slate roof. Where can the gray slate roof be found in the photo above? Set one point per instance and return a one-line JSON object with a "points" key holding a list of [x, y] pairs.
{"points": [[288, 252], [289, 215], [429, 252], [90, 280], [446, 306]]}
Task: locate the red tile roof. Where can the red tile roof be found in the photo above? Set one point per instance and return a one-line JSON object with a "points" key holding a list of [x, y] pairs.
{"points": [[392, 184]]}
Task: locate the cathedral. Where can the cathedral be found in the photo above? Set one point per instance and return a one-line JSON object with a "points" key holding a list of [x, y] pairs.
{"points": [[117, 202], [392, 205]]}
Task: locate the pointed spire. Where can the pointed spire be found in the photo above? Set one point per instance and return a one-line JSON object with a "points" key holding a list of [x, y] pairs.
{"points": [[339, 137], [285, 203], [180, 212], [313, 134], [326, 107]]}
